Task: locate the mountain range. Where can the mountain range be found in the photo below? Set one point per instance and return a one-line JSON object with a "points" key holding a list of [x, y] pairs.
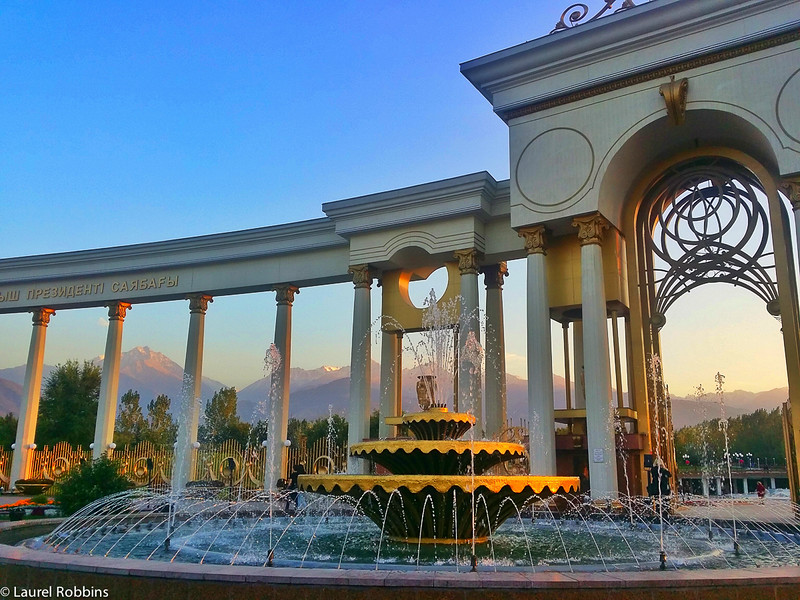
{"points": [[316, 392]]}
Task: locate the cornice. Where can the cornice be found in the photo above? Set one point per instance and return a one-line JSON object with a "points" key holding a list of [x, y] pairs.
{"points": [[474, 194], [274, 240], [647, 73], [695, 27]]}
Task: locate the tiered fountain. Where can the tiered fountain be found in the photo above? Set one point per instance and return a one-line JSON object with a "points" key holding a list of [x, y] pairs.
{"points": [[437, 489]]}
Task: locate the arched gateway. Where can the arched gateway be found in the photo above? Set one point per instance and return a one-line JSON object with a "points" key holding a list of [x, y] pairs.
{"points": [[651, 151]]}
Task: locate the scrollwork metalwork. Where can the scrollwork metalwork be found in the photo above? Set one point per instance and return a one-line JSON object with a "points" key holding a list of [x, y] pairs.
{"points": [[580, 11], [706, 222]]}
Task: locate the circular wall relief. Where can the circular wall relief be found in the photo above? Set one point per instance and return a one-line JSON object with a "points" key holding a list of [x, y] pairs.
{"points": [[786, 106], [554, 167]]}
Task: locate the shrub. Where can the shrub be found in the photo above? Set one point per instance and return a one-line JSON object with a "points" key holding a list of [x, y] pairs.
{"points": [[86, 483], [39, 499]]}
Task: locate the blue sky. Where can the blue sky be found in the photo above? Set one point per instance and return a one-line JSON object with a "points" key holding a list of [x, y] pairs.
{"points": [[127, 123]]}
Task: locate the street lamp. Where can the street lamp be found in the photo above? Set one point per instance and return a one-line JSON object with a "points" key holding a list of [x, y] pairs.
{"points": [[749, 460], [686, 459]]}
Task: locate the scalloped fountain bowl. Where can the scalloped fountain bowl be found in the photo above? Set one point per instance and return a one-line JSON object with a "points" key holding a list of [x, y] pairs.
{"points": [[438, 490]]}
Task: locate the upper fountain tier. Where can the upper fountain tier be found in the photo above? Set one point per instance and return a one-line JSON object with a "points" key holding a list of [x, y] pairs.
{"points": [[436, 449]]}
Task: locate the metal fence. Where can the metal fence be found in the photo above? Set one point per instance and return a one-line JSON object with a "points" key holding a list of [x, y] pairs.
{"points": [[145, 464]]}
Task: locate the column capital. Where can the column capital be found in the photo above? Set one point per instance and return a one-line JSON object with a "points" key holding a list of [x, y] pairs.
{"points": [[590, 228], [535, 238], [118, 310], [467, 261], [494, 275], [198, 303], [791, 187], [41, 316], [284, 294], [362, 278]]}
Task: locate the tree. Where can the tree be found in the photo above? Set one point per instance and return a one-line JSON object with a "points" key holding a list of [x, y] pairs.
{"points": [[68, 408], [161, 428], [221, 421], [87, 482], [8, 430], [131, 425], [334, 426]]}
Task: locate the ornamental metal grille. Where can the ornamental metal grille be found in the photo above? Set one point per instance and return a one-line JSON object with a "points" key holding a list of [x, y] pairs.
{"points": [[706, 222]]}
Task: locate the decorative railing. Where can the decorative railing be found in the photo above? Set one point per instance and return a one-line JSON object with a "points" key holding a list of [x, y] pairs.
{"points": [[576, 13], [145, 464]]}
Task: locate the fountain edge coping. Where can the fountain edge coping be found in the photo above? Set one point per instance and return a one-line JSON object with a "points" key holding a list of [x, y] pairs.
{"points": [[21, 556]]}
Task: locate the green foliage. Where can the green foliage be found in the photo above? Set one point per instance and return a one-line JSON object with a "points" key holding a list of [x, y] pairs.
{"points": [[221, 421], [131, 425], [759, 433], [68, 408], [160, 428], [8, 430], [39, 499], [319, 429], [88, 482]]}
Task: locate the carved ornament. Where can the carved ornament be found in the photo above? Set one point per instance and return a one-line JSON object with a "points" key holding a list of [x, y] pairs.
{"points": [[467, 261], [580, 11], [284, 294], [590, 228], [198, 303], [674, 94], [534, 239], [494, 275], [42, 316], [361, 276], [117, 311], [791, 188]]}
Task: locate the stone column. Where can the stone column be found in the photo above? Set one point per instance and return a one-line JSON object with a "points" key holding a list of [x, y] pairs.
{"points": [[791, 188], [109, 383], [183, 465], [495, 405], [279, 386], [360, 365], [29, 408], [579, 374], [596, 360], [542, 451], [469, 338], [391, 380], [706, 486]]}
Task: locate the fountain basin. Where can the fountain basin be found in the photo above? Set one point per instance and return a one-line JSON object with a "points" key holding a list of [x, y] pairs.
{"points": [[439, 509]]}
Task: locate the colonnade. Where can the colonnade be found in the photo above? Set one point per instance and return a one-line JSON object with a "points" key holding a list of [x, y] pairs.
{"points": [[591, 338]]}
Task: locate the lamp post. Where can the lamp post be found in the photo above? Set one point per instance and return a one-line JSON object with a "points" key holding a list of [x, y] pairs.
{"points": [[749, 460]]}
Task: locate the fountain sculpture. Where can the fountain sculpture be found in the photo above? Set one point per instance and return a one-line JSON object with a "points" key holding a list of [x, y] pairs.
{"points": [[437, 489]]}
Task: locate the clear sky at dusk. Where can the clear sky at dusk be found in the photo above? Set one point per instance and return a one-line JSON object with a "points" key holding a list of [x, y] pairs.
{"points": [[129, 123]]}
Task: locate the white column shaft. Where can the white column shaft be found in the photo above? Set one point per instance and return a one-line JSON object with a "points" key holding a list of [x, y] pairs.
{"points": [[391, 380], [542, 451], [279, 389], [360, 359], [109, 382], [597, 371], [190, 395], [469, 352], [579, 375], [496, 399], [29, 408]]}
